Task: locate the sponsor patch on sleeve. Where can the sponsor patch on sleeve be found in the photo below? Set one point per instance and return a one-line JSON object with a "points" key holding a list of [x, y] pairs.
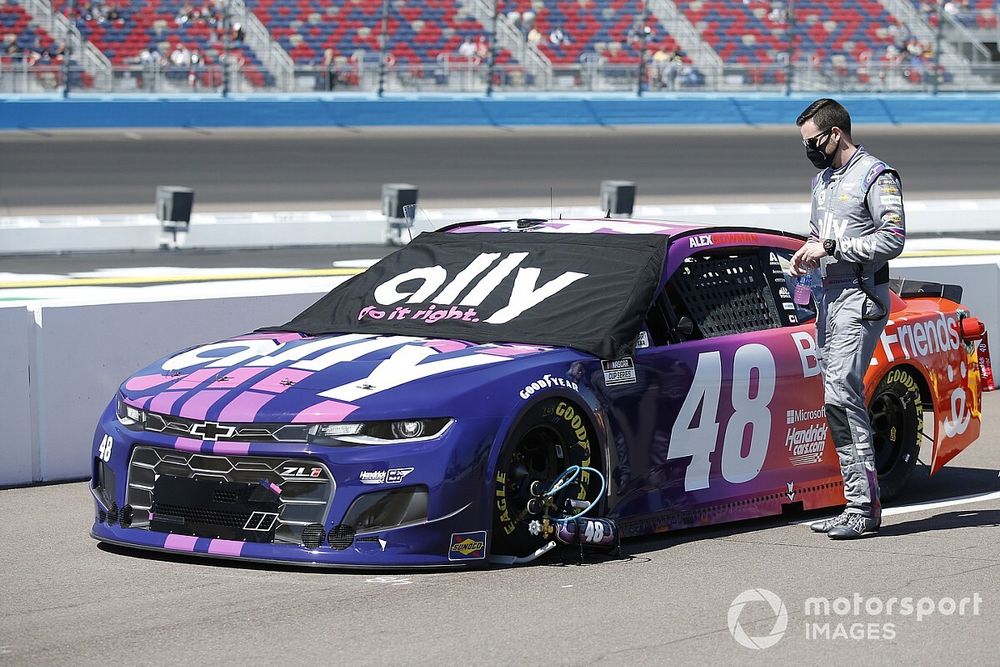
{"points": [[876, 170]]}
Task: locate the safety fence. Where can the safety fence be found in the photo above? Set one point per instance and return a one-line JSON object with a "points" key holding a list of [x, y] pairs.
{"points": [[458, 76]]}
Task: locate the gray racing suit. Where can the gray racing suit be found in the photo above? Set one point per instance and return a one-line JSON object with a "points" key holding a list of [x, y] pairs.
{"points": [[859, 205]]}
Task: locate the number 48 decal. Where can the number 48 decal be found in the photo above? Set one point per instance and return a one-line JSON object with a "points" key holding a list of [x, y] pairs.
{"points": [[104, 451], [699, 440]]}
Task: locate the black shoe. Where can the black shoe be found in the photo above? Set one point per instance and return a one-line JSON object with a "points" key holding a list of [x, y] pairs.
{"points": [[826, 525], [855, 526]]}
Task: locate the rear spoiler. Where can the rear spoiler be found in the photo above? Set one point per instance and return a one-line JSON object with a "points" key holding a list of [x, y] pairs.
{"points": [[908, 288]]}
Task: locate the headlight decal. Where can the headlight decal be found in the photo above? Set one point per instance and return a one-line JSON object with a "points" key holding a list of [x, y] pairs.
{"points": [[392, 432]]}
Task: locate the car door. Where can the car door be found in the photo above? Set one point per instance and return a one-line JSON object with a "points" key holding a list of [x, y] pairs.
{"points": [[733, 425]]}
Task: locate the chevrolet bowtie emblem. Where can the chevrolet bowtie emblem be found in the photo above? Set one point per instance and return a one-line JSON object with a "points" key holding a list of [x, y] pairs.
{"points": [[210, 431]]}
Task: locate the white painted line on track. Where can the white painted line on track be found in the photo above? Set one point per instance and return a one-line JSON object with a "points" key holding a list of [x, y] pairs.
{"points": [[937, 504]]}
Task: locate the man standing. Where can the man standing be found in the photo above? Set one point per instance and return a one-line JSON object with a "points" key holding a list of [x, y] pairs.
{"points": [[856, 227]]}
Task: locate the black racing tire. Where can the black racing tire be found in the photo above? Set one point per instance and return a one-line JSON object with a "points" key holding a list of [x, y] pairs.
{"points": [[550, 437], [896, 412]]}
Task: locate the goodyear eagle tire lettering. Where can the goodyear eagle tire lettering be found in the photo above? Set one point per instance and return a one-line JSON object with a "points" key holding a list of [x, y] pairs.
{"points": [[896, 412], [551, 436]]}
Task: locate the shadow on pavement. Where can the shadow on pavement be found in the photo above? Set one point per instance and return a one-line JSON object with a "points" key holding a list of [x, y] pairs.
{"points": [[949, 482], [946, 521]]}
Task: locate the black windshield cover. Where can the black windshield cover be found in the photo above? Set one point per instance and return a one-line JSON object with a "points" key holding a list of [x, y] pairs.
{"points": [[590, 292]]}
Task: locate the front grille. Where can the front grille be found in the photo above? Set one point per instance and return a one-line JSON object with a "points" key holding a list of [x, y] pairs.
{"points": [[125, 517], [240, 432], [312, 536], [303, 500], [168, 513], [223, 496], [341, 537]]}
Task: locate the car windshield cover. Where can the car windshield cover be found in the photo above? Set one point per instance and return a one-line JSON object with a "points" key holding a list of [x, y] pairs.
{"points": [[585, 291]]}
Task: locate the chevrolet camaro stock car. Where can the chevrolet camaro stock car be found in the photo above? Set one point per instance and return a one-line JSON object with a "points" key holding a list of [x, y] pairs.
{"points": [[496, 388]]}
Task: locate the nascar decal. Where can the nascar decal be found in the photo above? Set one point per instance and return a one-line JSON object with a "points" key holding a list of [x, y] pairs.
{"points": [[485, 287], [467, 546], [618, 371]]}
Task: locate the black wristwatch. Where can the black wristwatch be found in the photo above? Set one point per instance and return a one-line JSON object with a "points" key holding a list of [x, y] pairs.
{"points": [[830, 246]]}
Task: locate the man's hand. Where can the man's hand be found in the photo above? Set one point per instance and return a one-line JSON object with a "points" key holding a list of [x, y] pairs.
{"points": [[807, 258]]}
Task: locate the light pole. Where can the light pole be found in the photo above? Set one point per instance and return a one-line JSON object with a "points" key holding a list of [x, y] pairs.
{"points": [[383, 44], [68, 47], [493, 49], [936, 80], [790, 35], [226, 27], [642, 48]]}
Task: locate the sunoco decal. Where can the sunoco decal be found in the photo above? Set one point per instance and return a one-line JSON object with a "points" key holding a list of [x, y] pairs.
{"points": [[618, 371], [467, 546]]}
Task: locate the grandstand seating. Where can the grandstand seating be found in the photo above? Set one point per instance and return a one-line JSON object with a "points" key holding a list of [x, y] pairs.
{"points": [[25, 44], [975, 14], [843, 34], [154, 25], [419, 30], [609, 28]]}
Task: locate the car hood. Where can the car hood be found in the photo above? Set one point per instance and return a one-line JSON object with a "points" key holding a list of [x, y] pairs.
{"points": [[282, 377]]}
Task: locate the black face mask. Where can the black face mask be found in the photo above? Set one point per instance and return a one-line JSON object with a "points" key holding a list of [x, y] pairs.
{"points": [[817, 154]]}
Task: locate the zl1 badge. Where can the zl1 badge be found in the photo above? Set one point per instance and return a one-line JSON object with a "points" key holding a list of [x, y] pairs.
{"points": [[618, 371]]}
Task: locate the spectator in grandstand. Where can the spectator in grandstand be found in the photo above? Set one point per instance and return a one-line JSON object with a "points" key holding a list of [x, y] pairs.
{"points": [[467, 49], [778, 13], [329, 82], [482, 49], [237, 34], [558, 37], [180, 56], [670, 73], [534, 36], [184, 15]]}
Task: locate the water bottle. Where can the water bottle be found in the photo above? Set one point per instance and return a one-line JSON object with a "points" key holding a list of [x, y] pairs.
{"points": [[803, 290]]}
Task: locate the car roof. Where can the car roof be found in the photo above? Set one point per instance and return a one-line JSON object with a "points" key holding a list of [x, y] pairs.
{"points": [[602, 225], [581, 226]]}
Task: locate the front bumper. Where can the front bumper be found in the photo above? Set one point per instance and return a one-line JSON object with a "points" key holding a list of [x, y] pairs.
{"points": [[311, 507]]}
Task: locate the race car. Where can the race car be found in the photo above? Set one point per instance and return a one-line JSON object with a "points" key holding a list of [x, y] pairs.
{"points": [[496, 388]]}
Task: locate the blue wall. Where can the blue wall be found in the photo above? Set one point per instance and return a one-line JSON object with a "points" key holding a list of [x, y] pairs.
{"points": [[132, 111]]}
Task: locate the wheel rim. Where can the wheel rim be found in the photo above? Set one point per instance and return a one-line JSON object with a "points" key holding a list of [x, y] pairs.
{"points": [[535, 458], [887, 416]]}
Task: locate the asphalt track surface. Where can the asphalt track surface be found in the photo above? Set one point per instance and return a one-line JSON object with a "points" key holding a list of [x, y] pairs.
{"points": [[64, 599], [65, 172]]}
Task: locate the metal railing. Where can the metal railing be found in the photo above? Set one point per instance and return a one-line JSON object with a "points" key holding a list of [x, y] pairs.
{"points": [[19, 76], [452, 75]]}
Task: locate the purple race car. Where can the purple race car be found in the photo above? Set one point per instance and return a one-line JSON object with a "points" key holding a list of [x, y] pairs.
{"points": [[494, 389]]}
